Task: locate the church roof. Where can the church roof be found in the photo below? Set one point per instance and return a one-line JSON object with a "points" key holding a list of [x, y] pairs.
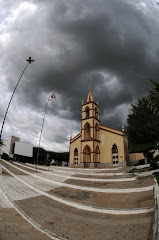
{"points": [[90, 97]]}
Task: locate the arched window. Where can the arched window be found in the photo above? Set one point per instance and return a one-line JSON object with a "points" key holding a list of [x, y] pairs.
{"points": [[96, 113], [96, 131], [114, 149], [115, 154], [76, 156], [87, 131], [97, 152], [87, 112], [87, 154]]}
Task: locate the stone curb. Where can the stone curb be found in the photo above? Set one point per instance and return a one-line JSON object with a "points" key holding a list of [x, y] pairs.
{"points": [[148, 173], [156, 219], [141, 166]]}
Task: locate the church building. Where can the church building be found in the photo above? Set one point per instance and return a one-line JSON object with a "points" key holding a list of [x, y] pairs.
{"points": [[97, 146]]}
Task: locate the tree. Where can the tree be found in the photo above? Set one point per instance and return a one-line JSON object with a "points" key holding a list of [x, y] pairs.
{"points": [[142, 130], [59, 157], [5, 156], [153, 97], [42, 155]]}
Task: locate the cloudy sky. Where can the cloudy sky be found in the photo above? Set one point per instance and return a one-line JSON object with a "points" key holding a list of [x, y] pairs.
{"points": [[111, 45]]}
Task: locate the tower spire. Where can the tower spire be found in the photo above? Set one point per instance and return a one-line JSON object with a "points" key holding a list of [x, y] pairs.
{"points": [[90, 97]]}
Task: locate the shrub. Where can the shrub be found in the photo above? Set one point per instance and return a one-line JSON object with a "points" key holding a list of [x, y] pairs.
{"points": [[154, 163], [141, 162], [56, 164], [47, 162], [5, 156]]}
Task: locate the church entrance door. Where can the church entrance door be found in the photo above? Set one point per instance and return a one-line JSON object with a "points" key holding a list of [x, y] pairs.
{"points": [[87, 156], [115, 155]]}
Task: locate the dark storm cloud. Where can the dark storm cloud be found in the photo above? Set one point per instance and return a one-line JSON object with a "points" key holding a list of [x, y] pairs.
{"points": [[111, 45], [114, 39]]}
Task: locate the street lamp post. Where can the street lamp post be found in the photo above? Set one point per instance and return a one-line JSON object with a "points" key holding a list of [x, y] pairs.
{"points": [[29, 62]]}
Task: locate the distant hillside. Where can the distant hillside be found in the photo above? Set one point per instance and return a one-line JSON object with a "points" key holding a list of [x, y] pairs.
{"points": [[59, 157]]}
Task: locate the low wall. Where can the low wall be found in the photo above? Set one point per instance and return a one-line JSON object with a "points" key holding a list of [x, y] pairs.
{"points": [[132, 162], [96, 165]]}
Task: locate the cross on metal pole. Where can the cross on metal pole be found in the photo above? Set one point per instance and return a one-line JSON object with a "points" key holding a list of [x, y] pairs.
{"points": [[29, 61]]}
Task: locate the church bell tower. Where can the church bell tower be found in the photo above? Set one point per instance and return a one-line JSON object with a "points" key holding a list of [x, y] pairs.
{"points": [[90, 154]]}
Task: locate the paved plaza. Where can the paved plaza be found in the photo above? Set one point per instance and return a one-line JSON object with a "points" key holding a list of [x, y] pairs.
{"points": [[68, 203]]}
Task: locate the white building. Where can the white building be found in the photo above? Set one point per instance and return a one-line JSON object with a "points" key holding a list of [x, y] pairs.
{"points": [[14, 146], [23, 149], [8, 145]]}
